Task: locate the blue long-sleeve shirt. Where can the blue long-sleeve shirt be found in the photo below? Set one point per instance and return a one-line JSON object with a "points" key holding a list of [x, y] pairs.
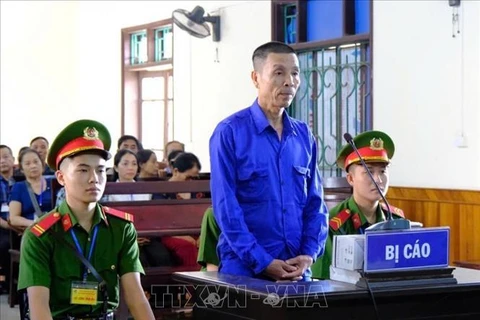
{"points": [[267, 193]]}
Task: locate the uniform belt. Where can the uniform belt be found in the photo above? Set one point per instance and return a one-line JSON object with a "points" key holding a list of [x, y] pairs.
{"points": [[108, 316]]}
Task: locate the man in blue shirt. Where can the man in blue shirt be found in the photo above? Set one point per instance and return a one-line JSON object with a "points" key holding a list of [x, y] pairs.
{"points": [[266, 190]]}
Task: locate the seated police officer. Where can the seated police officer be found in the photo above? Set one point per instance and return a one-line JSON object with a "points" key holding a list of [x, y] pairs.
{"points": [[363, 208], [58, 283]]}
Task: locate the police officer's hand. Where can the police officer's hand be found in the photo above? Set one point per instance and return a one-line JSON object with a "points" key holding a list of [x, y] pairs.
{"points": [[280, 270], [302, 262]]}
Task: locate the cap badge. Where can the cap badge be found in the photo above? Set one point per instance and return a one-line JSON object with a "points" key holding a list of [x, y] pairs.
{"points": [[90, 133], [376, 144]]}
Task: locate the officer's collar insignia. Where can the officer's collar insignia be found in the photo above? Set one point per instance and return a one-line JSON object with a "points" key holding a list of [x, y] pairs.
{"points": [[90, 133], [376, 144]]}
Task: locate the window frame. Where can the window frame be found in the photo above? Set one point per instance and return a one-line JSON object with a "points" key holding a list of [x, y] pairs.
{"points": [[302, 46], [131, 74]]}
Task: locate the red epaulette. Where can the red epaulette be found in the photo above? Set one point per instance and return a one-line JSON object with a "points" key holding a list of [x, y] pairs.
{"points": [[337, 221], [119, 214], [396, 211], [43, 225]]}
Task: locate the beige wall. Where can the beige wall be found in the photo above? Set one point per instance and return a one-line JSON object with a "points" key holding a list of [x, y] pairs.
{"points": [[60, 61], [426, 91]]}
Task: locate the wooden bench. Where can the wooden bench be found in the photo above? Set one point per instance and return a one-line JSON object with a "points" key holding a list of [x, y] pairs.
{"points": [[161, 218]]}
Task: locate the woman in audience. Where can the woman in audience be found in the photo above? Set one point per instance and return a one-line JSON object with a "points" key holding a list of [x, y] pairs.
{"points": [[126, 169], [186, 166], [147, 162], [170, 160], [31, 198]]}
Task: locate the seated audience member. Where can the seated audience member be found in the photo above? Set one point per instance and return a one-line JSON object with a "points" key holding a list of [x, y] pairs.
{"points": [[186, 166], [126, 142], [40, 144], [147, 162], [152, 252], [171, 158], [363, 208], [207, 244], [130, 143], [126, 169], [6, 182], [169, 148], [31, 198]]}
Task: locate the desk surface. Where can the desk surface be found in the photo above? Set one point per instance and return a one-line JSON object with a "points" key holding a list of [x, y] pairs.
{"points": [[237, 297], [466, 278]]}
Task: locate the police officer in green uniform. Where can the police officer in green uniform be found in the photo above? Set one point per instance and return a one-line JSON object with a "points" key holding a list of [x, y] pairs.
{"points": [[58, 284], [207, 249], [363, 208]]}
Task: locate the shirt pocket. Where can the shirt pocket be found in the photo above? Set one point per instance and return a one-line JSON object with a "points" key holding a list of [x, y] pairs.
{"points": [[252, 184], [301, 176]]}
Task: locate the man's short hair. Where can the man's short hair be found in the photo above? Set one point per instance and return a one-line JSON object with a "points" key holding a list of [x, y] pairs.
{"points": [[39, 138], [261, 53], [126, 137], [3, 146]]}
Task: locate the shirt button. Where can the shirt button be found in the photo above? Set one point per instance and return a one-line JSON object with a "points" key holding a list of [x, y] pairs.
{"points": [[88, 239], [284, 210], [112, 267]]}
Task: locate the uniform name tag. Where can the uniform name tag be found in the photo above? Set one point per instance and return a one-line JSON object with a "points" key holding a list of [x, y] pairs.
{"points": [[4, 207], [84, 293]]}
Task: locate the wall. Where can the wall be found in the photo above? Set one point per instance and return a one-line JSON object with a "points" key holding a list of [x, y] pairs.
{"points": [[38, 80], [426, 91], [209, 86], [61, 61]]}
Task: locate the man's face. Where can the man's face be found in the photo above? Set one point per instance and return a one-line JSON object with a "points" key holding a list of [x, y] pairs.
{"points": [[363, 187], [84, 178], [41, 146], [277, 81], [6, 160], [129, 145]]}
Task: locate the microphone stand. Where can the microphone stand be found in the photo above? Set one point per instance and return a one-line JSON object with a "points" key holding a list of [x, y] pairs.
{"points": [[389, 223]]}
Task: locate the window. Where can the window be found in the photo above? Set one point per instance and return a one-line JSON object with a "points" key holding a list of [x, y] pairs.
{"points": [[333, 43], [157, 108], [147, 83]]}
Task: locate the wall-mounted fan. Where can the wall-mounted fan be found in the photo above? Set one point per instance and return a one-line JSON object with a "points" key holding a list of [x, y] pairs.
{"points": [[196, 24]]}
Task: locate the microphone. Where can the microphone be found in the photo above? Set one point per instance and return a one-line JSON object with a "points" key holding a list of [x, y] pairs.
{"points": [[390, 223]]}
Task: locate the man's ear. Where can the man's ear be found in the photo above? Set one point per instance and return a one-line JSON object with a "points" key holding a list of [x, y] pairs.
{"points": [[349, 178], [254, 76], [60, 177]]}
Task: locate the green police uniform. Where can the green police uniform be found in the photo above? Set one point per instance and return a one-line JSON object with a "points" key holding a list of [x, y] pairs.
{"points": [[45, 261], [346, 218], [209, 234]]}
